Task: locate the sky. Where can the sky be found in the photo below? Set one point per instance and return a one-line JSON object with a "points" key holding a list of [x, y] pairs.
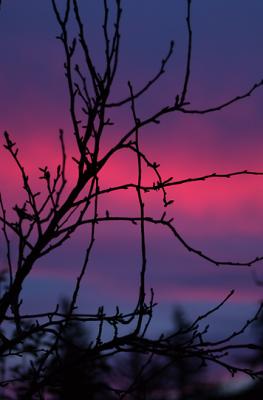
{"points": [[220, 217]]}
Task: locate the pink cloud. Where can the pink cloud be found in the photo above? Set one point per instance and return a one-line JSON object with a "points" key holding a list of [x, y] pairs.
{"points": [[204, 293]]}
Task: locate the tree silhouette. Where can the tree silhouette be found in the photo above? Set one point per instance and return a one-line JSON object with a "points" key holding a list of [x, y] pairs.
{"points": [[50, 214], [186, 375], [144, 375], [167, 377], [72, 372]]}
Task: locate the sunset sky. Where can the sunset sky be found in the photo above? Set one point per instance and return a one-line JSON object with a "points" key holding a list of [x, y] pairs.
{"points": [[221, 217]]}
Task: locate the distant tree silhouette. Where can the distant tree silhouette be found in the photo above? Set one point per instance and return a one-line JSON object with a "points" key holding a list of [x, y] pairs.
{"points": [[256, 359], [185, 374], [175, 377], [50, 213], [72, 372], [144, 375]]}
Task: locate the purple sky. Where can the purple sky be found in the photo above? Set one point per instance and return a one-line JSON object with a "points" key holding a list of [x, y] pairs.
{"points": [[222, 217]]}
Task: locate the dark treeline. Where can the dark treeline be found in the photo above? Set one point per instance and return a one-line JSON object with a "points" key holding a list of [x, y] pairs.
{"points": [[74, 373]]}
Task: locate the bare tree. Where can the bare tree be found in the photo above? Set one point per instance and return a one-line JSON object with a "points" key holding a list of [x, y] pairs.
{"points": [[49, 216]]}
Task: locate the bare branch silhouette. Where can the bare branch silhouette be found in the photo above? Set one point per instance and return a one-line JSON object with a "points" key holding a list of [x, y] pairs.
{"points": [[56, 209]]}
